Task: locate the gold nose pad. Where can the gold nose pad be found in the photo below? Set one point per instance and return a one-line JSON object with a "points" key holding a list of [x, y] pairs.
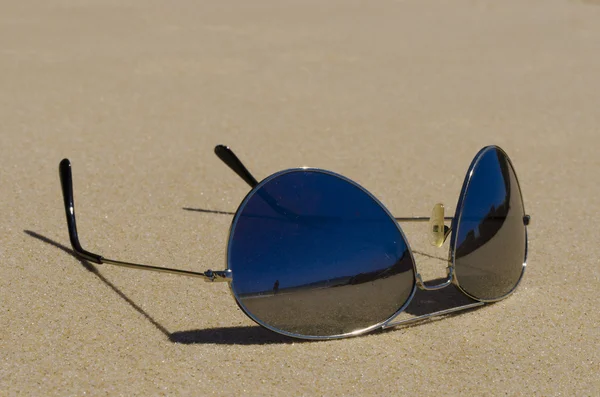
{"points": [[438, 232]]}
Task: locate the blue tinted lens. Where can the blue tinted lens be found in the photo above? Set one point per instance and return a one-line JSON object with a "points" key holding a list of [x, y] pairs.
{"points": [[490, 238], [314, 254]]}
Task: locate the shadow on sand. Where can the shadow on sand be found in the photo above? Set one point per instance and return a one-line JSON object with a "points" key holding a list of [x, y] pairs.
{"points": [[423, 302]]}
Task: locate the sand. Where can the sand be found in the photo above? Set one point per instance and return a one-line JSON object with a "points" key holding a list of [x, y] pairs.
{"points": [[396, 95]]}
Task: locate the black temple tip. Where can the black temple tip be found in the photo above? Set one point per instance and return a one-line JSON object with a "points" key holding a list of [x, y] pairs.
{"points": [[220, 148], [228, 157], [66, 181]]}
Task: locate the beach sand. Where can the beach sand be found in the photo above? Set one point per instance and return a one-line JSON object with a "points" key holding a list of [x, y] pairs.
{"points": [[396, 95]]}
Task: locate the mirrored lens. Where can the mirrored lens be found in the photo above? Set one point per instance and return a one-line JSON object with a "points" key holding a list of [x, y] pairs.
{"points": [[314, 254], [489, 239]]}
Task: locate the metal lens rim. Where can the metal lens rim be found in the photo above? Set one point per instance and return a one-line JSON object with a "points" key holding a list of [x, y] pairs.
{"points": [[459, 211], [313, 337]]}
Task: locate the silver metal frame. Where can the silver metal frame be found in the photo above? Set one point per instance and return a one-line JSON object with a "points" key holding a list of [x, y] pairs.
{"points": [[350, 334], [208, 276], [459, 211], [418, 281], [227, 275], [452, 277]]}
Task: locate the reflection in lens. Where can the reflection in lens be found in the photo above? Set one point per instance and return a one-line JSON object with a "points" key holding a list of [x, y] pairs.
{"points": [[489, 238], [313, 254]]}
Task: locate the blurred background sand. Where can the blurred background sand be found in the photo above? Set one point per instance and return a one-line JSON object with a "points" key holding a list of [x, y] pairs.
{"points": [[397, 95]]}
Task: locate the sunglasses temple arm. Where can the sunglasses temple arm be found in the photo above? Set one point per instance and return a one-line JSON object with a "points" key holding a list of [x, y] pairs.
{"points": [[526, 219], [432, 315], [66, 180], [419, 219], [228, 157], [235, 164]]}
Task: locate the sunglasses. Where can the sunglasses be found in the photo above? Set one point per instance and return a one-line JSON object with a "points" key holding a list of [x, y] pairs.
{"points": [[313, 255]]}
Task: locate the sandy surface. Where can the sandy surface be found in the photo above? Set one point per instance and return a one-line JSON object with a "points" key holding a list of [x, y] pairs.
{"points": [[398, 96]]}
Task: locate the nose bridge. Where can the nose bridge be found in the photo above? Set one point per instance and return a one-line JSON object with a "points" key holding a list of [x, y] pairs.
{"points": [[438, 233], [421, 284]]}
